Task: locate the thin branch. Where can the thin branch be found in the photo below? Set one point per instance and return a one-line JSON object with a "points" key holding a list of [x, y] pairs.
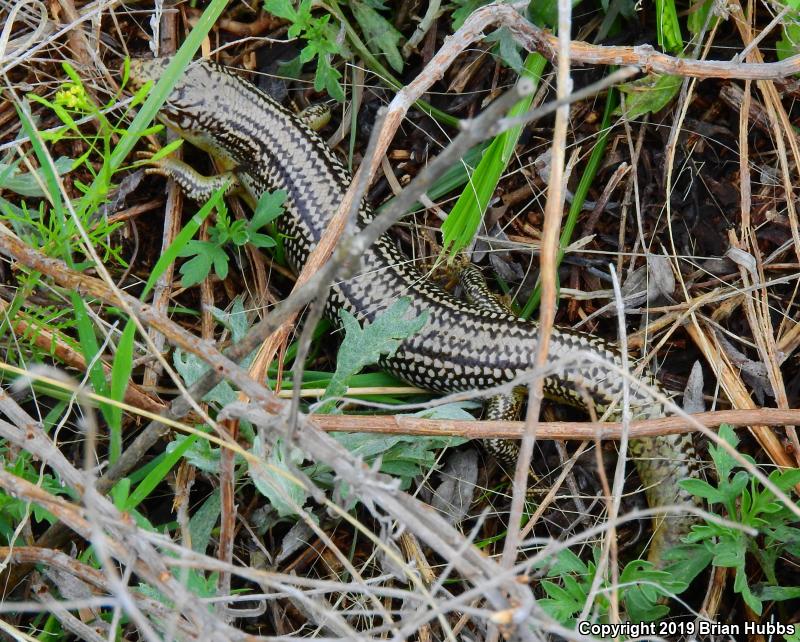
{"points": [[375, 489], [548, 267]]}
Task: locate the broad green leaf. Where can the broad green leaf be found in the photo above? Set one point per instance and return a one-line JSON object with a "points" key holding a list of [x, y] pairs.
{"points": [[561, 604], [762, 503], [269, 207], [507, 48], [686, 562], [724, 462], [730, 550], [649, 94], [789, 43], [706, 531], [196, 269], [785, 479], [238, 233], [283, 493], [702, 488], [281, 9], [291, 69], [30, 183], [365, 346], [327, 78], [565, 562], [575, 588], [205, 254], [261, 240], [741, 586], [731, 490], [668, 29], [379, 34], [646, 586]]}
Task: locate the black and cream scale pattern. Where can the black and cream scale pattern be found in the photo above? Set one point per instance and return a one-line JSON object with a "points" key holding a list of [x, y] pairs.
{"points": [[463, 346]]}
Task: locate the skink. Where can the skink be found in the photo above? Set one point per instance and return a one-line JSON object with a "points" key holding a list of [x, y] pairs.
{"points": [[462, 346]]}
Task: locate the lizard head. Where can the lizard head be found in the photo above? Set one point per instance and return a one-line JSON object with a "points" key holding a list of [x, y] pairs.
{"points": [[196, 106], [188, 106]]}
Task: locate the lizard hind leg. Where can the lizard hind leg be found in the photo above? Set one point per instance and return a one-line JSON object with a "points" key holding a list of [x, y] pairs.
{"points": [[193, 184], [477, 291], [501, 407]]}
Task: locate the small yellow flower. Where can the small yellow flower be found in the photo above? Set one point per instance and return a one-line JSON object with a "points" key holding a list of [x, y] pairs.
{"points": [[72, 97]]}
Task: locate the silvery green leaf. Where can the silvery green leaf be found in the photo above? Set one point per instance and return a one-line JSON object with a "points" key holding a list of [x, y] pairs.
{"points": [[274, 480], [300, 534], [29, 183], [201, 454], [191, 367], [456, 410], [453, 496], [202, 523], [235, 320]]}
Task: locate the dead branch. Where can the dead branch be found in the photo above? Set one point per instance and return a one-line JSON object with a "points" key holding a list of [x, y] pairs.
{"points": [[375, 489], [562, 430]]}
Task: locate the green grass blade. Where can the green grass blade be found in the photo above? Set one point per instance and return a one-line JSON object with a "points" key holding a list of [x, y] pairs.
{"points": [[461, 224], [161, 89], [183, 237], [90, 350], [123, 360], [668, 29], [452, 179], [158, 473], [120, 376], [580, 195], [50, 178]]}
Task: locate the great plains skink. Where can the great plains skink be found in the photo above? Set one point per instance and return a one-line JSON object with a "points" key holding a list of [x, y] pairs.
{"points": [[462, 346]]}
